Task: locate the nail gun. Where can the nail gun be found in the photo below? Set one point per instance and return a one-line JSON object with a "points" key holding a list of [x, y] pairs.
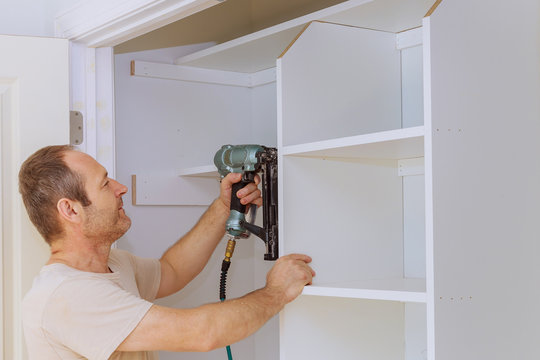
{"points": [[250, 160]]}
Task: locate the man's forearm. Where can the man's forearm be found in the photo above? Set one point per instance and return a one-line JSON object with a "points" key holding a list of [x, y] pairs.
{"points": [[204, 328], [240, 317], [188, 256], [185, 259]]}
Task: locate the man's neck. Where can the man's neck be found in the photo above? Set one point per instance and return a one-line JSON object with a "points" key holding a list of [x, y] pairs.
{"points": [[81, 255]]}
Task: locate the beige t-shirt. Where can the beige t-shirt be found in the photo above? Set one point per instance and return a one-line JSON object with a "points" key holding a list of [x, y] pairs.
{"points": [[72, 314]]}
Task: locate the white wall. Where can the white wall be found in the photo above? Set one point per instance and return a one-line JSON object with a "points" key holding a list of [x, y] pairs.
{"points": [[164, 125], [31, 17], [34, 112]]}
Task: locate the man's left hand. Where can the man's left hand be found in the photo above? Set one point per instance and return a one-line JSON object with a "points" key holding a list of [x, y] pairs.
{"points": [[249, 194]]}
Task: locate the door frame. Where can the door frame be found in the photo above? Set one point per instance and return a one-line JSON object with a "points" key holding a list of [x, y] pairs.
{"points": [[93, 28], [10, 220]]}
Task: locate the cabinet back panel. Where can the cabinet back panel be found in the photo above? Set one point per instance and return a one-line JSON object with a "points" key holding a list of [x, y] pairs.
{"points": [[162, 126], [346, 215], [264, 115], [345, 329], [332, 86]]}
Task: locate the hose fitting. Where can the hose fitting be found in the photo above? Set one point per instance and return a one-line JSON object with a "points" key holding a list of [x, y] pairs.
{"points": [[225, 267], [229, 251]]}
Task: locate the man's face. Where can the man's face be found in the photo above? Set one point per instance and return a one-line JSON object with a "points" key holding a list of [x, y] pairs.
{"points": [[105, 219]]}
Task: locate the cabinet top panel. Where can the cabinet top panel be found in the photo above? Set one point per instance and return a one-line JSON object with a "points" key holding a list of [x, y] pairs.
{"points": [[259, 50], [385, 15]]}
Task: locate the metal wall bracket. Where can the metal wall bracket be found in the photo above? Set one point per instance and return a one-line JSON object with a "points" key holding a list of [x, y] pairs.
{"points": [[76, 133], [413, 166]]}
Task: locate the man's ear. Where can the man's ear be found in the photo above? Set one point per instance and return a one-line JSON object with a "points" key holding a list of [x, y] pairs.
{"points": [[69, 210]]}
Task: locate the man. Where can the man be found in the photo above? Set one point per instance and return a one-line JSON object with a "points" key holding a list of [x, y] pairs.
{"points": [[91, 301]]}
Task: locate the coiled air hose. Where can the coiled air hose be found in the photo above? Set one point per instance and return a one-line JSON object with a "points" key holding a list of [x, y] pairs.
{"points": [[223, 279]]}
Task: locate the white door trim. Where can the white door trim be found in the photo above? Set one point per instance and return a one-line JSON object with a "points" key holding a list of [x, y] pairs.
{"points": [[10, 220], [93, 28], [92, 93], [3, 88]]}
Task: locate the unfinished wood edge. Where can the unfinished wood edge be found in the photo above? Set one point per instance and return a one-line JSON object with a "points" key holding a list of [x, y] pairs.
{"points": [[134, 189], [413, 28], [132, 70], [432, 9], [352, 26], [322, 22], [294, 40]]}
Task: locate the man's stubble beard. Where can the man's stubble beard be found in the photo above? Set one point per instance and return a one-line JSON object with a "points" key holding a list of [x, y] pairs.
{"points": [[105, 226]]}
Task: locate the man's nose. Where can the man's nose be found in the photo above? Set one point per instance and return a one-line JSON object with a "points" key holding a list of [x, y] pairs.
{"points": [[120, 189]]}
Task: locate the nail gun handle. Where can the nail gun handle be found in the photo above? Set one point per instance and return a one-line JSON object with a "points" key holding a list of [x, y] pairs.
{"points": [[235, 201], [247, 178]]}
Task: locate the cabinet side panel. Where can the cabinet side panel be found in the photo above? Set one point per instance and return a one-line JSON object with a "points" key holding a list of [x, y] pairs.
{"points": [[486, 208], [412, 88], [414, 236], [415, 332]]}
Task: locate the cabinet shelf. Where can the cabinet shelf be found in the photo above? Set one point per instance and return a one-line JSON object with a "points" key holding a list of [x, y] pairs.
{"points": [[392, 144], [207, 171], [404, 290]]}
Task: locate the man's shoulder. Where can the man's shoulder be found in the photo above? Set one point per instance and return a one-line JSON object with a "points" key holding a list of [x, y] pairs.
{"points": [[122, 258], [120, 254], [125, 258], [116, 252], [45, 284], [49, 278]]}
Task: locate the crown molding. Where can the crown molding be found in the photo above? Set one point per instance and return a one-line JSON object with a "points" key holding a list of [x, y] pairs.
{"points": [[100, 23]]}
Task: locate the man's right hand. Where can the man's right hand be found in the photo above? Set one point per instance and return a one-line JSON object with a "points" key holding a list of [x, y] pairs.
{"points": [[289, 275]]}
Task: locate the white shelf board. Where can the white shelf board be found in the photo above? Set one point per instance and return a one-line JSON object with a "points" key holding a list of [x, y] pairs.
{"points": [[259, 50], [404, 290], [249, 54], [393, 144], [385, 15], [209, 171]]}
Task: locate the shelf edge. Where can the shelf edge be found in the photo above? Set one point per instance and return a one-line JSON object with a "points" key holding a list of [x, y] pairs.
{"points": [[365, 139], [200, 171], [367, 294]]}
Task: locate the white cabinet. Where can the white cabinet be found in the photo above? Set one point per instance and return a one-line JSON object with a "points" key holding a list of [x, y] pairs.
{"points": [[408, 170], [349, 197]]}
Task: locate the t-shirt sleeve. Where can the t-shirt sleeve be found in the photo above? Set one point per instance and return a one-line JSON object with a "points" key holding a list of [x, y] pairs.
{"points": [[92, 316], [147, 275]]}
